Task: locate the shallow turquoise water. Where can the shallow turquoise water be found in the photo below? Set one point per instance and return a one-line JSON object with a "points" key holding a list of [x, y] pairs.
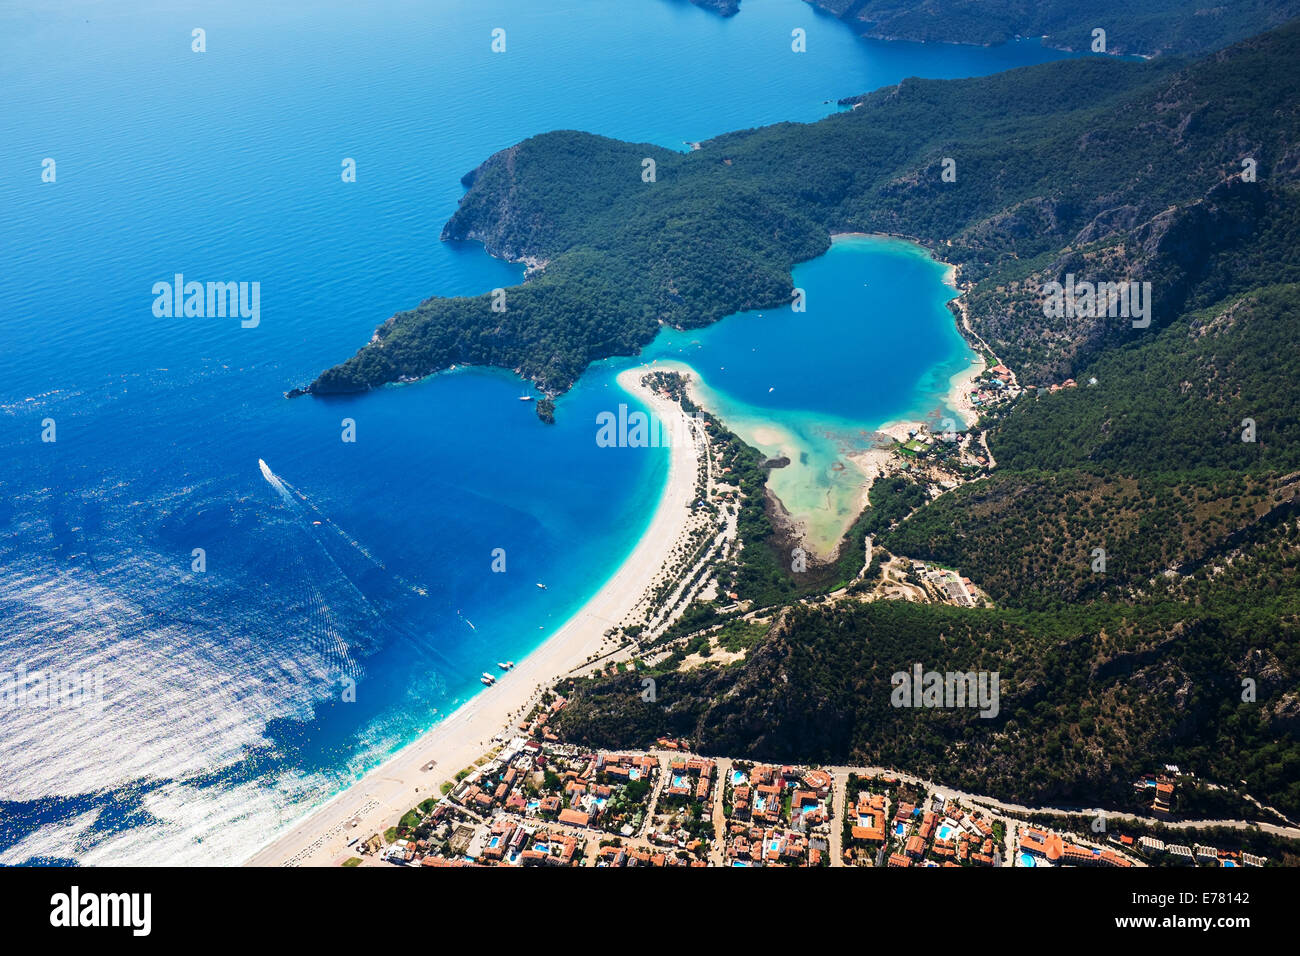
{"points": [[877, 344]]}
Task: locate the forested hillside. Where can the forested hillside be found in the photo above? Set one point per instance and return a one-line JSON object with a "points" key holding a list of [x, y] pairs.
{"points": [[1048, 159], [1090, 696], [1154, 26]]}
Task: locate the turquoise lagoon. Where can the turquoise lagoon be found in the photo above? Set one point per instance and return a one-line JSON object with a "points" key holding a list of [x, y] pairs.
{"points": [[877, 344]]}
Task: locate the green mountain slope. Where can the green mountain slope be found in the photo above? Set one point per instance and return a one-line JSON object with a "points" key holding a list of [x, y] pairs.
{"points": [[1154, 26], [1047, 157]]}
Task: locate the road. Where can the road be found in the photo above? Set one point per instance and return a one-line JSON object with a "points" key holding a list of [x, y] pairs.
{"points": [[1292, 833], [718, 852], [839, 809]]}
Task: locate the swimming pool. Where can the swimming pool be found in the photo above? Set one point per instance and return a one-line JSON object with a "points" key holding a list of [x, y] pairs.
{"points": [[1026, 860], [945, 832]]}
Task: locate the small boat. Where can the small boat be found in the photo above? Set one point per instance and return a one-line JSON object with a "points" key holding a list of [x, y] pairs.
{"points": [[488, 678], [486, 681], [541, 585], [505, 665], [525, 398]]}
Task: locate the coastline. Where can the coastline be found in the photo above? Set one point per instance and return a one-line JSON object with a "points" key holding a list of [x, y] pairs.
{"points": [[882, 460], [415, 773], [821, 530], [960, 387]]}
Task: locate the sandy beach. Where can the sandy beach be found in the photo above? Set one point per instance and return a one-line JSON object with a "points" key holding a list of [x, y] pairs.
{"points": [[379, 799], [960, 388], [883, 460]]}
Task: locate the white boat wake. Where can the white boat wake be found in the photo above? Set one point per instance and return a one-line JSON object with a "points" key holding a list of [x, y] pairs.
{"points": [[275, 482], [295, 497], [327, 634]]}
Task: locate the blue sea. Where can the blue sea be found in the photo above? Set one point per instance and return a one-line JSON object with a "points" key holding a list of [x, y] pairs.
{"points": [[230, 614]]}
